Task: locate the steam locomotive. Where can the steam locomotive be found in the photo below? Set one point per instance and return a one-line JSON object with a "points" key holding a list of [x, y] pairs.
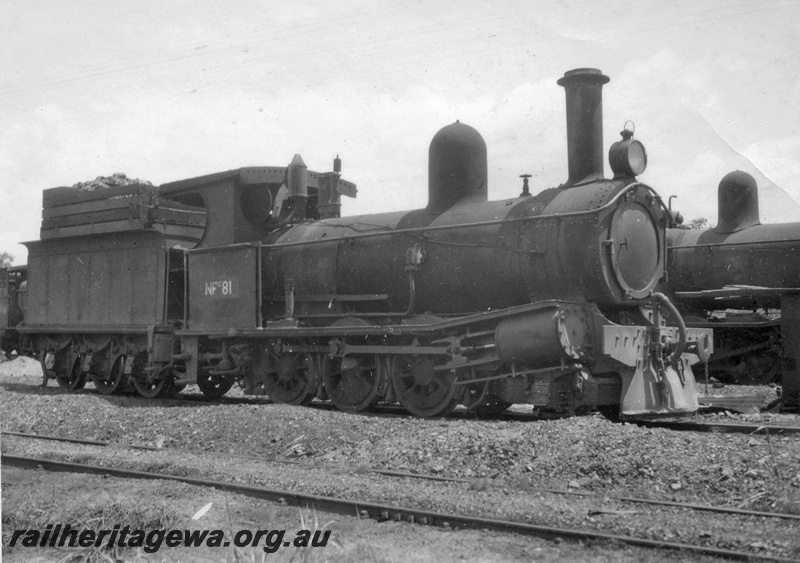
{"points": [[252, 276], [743, 279]]}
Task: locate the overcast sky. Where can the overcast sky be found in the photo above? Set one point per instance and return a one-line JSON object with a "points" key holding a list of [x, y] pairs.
{"points": [[164, 90]]}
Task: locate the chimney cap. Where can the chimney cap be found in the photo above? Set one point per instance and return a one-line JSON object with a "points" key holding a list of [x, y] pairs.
{"points": [[590, 75]]}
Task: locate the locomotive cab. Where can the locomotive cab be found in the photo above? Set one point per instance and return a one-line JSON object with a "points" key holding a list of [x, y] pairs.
{"points": [[245, 204], [547, 300], [466, 300]]}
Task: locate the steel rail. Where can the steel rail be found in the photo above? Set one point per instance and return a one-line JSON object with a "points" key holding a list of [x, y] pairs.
{"points": [[192, 399], [383, 512], [682, 425], [316, 465], [722, 427], [392, 410], [200, 399], [679, 424], [425, 476]]}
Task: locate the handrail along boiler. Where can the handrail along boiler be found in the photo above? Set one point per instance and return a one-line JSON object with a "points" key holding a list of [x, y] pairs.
{"points": [[467, 300], [546, 299]]}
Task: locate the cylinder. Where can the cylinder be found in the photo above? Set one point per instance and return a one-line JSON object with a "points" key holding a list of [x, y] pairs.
{"points": [[543, 338], [584, 91]]}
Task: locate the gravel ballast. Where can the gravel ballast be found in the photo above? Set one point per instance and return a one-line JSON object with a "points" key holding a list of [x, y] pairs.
{"points": [[506, 464]]}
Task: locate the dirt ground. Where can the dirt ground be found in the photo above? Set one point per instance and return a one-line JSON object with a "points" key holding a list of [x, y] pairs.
{"points": [[31, 499], [507, 466]]}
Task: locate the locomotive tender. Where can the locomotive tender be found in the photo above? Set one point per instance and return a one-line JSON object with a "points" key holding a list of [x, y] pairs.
{"points": [[251, 276]]}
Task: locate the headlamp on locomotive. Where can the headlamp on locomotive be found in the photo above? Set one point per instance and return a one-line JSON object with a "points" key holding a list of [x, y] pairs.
{"points": [[545, 299]]}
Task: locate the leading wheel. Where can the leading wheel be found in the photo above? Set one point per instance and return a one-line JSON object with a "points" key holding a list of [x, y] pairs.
{"points": [[214, 386], [477, 397], [475, 393], [423, 390], [354, 383], [73, 379], [115, 381], [292, 378]]}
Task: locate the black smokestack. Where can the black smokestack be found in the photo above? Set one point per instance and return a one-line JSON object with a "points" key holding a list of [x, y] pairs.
{"points": [[584, 89]]}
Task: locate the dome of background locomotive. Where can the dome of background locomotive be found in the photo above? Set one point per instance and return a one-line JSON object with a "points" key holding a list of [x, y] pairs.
{"points": [[741, 277], [738, 252]]}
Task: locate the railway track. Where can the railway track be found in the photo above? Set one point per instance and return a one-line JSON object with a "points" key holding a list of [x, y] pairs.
{"points": [[698, 425], [384, 512], [429, 477], [686, 424], [693, 424]]}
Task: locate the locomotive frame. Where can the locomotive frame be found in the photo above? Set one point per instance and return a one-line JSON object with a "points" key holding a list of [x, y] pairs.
{"points": [[547, 299]]}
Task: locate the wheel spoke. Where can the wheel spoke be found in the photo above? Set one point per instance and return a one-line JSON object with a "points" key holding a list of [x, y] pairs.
{"points": [[214, 386], [477, 396], [293, 379], [75, 378], [115, 381], [157, 385], [354, 383], [421, 389]]}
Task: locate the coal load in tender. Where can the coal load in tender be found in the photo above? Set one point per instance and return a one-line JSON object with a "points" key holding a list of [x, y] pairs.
{"points": [[103, 182]]}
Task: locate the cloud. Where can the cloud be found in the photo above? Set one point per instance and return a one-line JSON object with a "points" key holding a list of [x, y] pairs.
{"points": [[183, 92], [696, 130]]}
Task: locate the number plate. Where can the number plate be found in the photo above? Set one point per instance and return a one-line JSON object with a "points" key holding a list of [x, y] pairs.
{"points": [[221, 289]]}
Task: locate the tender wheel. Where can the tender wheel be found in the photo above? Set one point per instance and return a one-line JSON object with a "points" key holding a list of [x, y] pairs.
{"points": [[158, 385], [73, 379], [422, 390], [354, 383], [116, 381], [214, 386], [292, 379]]}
